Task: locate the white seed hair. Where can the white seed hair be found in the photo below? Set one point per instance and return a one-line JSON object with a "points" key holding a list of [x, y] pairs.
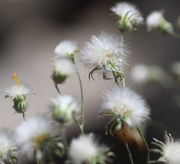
{"points": [[123, 8], [33, 127], [85, 148], [65, 48], [7, 145], [169, 150], [67, 104], [154, 19], [102, 49], [16, 90], [128, 104], [63, 66]]}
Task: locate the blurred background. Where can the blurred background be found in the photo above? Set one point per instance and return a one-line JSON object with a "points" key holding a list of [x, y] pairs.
{"points": [[31, 29]]}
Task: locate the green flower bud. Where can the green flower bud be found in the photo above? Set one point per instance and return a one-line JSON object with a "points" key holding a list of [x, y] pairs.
{"points": [[129, 16], [62, 68], [157, 21], [165, 27], [58, 78], [126, 23], [59, 115], [20, 104], [63, 107], [67, 49]]}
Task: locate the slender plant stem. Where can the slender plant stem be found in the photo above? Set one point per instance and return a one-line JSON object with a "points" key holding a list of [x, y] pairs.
{"points": [[81, 126], [125, 142], [81, 88], [124, 82], [129, 153], [56, 86], [128, 150], [63, 131], [23, 115], [145, 143]]}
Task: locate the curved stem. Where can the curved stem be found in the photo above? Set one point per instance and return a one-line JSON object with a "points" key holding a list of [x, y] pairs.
{"points": [[145, 143], [124, 82], [56, 86], [128, 150], [23, 115], [129, 153], [63, 131], [81, 126], [118, 82]]}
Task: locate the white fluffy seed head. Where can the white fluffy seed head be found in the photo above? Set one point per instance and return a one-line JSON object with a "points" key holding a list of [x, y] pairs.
{"points": [[154, 19], [123, 8], [66, 48], [15, 90], [128, 104], [84, 149], [64, 106], [7, 146], [139, 73], [104, 49], [31, 133], [170, 150], [63, 66]]}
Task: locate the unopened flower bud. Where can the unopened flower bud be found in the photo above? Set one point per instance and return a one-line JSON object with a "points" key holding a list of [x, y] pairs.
{"points": [[96, 154], [66, 49], [157, 21], [63, 108], [129, 16], [18, 94], [20, 104], [62, 68]]}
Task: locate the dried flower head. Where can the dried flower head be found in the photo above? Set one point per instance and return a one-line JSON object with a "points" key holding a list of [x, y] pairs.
{"points": [[169, 151], [157, 21], [129, 16], [36, 139], [106, 53], [85, 149], [18, 94], [67, 49], [7, 148], [62, 68], [125, 107], [63, 107]]}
